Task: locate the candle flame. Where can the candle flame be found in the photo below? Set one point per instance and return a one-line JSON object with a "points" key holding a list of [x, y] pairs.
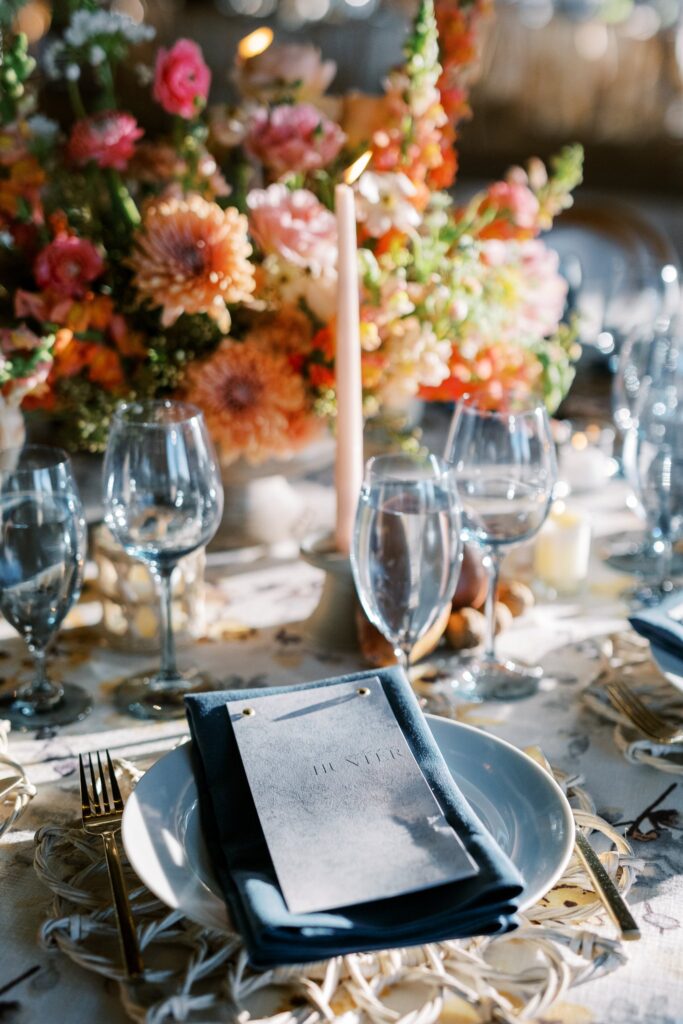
{"points": [[354, 171], [255, 43]]}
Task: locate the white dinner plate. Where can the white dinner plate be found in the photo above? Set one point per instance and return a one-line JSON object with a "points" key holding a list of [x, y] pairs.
{"points": [[669, 664], [523, 808]]}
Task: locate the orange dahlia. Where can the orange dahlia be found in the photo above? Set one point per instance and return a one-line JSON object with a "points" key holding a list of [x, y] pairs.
{"points": [[254, 403], [288, 331], [192, 257]]}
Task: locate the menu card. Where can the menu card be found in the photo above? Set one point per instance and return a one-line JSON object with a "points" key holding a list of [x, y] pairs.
{"points": [[346, 812]]}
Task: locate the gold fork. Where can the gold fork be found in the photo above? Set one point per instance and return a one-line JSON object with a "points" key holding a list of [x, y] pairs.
{"points": [[647, 721], [102, 817]]}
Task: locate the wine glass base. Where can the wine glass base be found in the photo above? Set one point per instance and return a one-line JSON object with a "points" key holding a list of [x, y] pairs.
{"points": [[632, 554], [650, 595], [484, 680], [74, 704], [147, 696]]}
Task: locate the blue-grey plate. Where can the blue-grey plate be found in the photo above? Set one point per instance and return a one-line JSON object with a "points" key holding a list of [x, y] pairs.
{"points": [[524, 809]]}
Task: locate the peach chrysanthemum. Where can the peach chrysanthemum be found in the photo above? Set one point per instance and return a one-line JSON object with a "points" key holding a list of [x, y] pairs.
{"points": [[254, 403], [192, 257]]}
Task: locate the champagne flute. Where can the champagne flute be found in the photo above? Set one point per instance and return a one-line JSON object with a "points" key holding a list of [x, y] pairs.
{"points": [[505, 471], [163, 499], [42, 554], [406, 548]]}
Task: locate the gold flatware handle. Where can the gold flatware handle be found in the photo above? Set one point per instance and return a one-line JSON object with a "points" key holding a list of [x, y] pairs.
{"points": [[7, 783], [124, 915], [611, 897]]}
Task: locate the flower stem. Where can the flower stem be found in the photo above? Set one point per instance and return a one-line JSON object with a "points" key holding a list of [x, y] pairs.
{"points": [[76, 99], [107, 82], [122, 199]]}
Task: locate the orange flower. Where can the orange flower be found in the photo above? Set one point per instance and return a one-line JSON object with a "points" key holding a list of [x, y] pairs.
{"points": [[254, 404], [320, 376], [104, 367], [193, 257], [26, 178], [289, 330]]}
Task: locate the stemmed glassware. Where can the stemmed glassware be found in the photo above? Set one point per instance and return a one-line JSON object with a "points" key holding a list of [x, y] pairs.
{"points": [[163, 499], [505, 471], [642, 360], [406, 548], [42, 554], [653, 462]]}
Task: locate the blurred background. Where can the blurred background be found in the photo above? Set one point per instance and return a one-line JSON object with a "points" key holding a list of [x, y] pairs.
{"points": [[607, 73]]}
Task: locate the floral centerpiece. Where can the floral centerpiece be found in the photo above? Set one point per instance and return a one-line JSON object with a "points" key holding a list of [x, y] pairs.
{"points": [[201, 262]]}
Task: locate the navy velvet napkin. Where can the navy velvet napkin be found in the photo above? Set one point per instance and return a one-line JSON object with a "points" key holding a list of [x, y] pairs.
{"points": [[658, 626], [482, 905]]}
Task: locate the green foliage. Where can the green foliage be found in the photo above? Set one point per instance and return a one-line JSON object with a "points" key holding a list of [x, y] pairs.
{"points": [[16, 67]]}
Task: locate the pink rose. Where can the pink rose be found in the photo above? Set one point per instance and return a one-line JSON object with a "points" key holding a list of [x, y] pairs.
{"points": [[181, 79], [67, 265], [294, 225], [108, 139], [517, 201], [294, 70], [294, 138]]}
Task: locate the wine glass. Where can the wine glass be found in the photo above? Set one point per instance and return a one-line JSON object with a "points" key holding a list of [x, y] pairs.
{"points": [[163, 499], [42, 554], [406, 547], [505, 471], [642, 359], [653, 462]]}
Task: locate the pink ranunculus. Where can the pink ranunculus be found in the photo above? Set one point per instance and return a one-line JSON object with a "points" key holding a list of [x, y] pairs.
{"points": [[107, 139], [295, 137], [67, 265], [517, 201], [294, 225], [181, 79]]}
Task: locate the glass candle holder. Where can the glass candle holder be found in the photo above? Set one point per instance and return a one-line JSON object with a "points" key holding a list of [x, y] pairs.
{"points": [[130, 603]]}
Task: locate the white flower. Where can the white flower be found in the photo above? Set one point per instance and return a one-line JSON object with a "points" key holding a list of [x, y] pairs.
{"points": [[43, 127], [97, 55], [52, 59], [6, 240], [73, 72], [383, 202], [416, 358], [290, 284], [87, 25]]}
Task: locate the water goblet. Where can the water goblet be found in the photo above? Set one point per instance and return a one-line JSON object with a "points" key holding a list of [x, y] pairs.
{"points": [[406, 548], [642, 359], [42, 553], [505, 471], [653, 462], [163, 499]]}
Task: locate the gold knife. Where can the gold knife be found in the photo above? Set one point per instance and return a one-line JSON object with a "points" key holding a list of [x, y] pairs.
{"points": [[613, 901]]}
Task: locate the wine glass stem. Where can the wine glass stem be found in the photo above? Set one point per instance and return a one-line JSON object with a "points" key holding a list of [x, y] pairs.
{"points": [[664, 553], [492, 566], [41, 685], [403, 657], [169, 669]]}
